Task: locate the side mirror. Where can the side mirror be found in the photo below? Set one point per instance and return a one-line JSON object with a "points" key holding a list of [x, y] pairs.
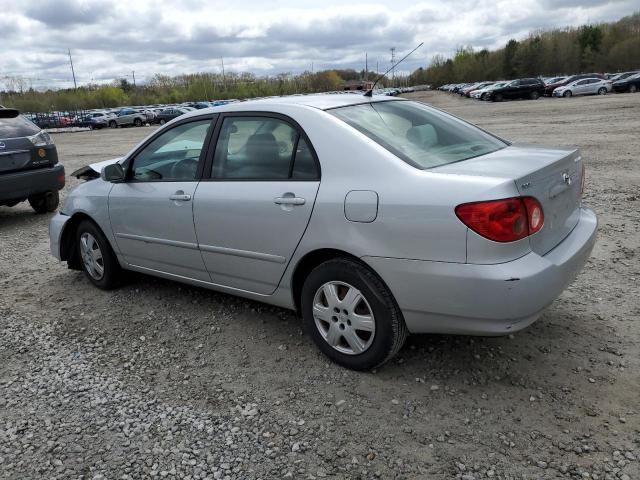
{"points": [[113, 173]]}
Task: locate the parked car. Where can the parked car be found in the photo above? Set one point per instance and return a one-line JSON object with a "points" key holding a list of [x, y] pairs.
{"points": [[550, 87], [586, 86], [128, 117], [169, 114], [29, 168], [300, 207], [96, 120], [531, 88], [629, 84], [482, 93]]}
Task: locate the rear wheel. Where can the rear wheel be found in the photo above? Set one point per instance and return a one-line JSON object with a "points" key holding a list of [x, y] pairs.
{"points": [[602, 91], [162, 121], [98, 260], [45, 202], [137, 122], [534, 95], [497, 97], [633, 89], [113, 124], [567, 94], [483, 96], [351, 315]]}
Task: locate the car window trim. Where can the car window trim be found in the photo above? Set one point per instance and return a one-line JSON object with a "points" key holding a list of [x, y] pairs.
{"points": [[207, 175], [213, 117]]}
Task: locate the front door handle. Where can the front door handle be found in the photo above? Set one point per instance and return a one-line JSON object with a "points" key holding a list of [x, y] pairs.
{"points": [[289, 201], [181, 197]]}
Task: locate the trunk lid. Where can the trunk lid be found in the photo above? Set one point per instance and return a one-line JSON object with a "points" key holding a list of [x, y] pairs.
{"points": [[15, 154], [552, 175]]}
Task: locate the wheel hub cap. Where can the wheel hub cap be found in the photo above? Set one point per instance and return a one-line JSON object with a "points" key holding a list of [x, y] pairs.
{"points": [[91, 256], [344, 318]]}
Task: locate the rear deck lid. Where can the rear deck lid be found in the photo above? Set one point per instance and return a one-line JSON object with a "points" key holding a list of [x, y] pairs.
{"points": [[552, 175]]}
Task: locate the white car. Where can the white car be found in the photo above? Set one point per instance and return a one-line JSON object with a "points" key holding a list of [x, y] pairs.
{"points": [[481, 94], [585, 86]]}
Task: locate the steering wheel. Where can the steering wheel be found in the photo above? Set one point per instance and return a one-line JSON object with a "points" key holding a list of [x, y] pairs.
{"points": [[185, 169]]}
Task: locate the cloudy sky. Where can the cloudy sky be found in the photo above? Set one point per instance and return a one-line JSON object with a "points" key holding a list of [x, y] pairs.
{"points": [[111, 38]]}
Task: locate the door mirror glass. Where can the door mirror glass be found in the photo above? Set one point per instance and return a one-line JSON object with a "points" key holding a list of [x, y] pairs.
{"points": [[113, 173]]}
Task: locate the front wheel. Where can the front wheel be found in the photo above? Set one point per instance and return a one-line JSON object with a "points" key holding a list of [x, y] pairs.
{"points": [[497, 97], [113, 124], [567, 94], [351, 315], [633, 89], [98, 260], [534, 95], [45, 202], [602, 91], [162, 121], [137, 122]]}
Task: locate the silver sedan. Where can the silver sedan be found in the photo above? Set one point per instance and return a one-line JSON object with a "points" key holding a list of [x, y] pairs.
{"points": [[371, 217], [584, 86]]}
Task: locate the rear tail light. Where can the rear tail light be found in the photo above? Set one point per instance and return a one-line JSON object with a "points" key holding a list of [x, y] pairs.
{"points": [[505, 220]]}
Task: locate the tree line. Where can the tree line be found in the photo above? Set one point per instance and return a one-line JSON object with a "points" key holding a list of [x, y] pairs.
{"points": [[165, 89], [604, 47]]}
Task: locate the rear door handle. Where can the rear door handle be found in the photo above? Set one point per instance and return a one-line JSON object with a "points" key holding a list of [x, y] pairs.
{"points": [[289, 201], [180, 197]]}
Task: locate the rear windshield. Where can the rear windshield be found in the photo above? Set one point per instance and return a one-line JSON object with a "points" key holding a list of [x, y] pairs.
{"points": [[17, 127], [422, 136]]}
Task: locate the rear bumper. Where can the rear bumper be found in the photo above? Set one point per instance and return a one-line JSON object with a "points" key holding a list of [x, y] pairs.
{"points": [[469, 299], [21, 185]]}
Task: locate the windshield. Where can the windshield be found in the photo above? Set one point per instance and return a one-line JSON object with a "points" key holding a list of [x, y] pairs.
{"points": [[422, 136]]}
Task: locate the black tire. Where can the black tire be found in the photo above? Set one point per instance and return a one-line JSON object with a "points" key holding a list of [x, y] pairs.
{"points": [[602, 91], [45, 202], [534, 95], [162, 121], [497, 97], [137, 122], [111, 277], [633, 88], [483, 96], [390, 329], [567, 94], [113, 124]]}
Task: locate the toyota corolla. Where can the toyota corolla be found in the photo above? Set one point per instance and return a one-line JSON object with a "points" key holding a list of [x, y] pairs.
{"points": [[371, 217]]}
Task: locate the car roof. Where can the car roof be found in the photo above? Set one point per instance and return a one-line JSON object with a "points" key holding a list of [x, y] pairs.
{"points": [[321, 101]]}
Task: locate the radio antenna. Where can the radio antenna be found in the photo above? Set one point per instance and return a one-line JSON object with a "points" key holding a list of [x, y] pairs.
{"points": [[369, 93]]}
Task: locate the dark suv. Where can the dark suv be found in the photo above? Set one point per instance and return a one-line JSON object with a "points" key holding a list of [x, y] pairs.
{"points": [[532, 88], [29, 168]]}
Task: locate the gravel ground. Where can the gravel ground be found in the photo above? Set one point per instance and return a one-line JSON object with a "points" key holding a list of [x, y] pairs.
{"points": [[158, 379]]}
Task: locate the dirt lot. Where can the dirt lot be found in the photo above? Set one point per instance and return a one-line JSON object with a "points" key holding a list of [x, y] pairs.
{"points": [[159, 379]]}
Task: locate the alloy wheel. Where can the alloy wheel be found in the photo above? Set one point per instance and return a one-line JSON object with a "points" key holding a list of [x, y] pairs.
{"points": [[344, 317], [91, 256]]}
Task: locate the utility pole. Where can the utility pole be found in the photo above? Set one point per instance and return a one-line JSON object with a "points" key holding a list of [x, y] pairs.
{"points": [[133, 74], [393, 63], [73, 73], [224, 80], [366, 66]]}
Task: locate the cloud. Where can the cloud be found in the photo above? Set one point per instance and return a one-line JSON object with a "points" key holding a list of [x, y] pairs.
{"points": [[110, 39]]}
